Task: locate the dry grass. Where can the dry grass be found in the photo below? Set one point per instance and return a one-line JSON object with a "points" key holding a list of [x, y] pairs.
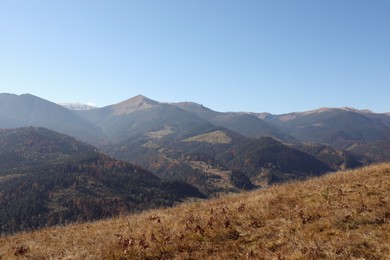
{"points": [[216, 137], [161, 133], [339, 216]]}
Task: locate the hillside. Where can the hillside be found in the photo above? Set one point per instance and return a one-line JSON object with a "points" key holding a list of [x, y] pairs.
{"points": [[335, 158], [35, 146], [47, 178], [267, 161], [345, 215]]}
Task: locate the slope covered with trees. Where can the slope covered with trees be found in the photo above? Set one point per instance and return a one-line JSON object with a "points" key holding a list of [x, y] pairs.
{"points": [[60, 180]]}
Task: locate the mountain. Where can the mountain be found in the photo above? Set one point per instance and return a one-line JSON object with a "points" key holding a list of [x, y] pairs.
{"points": [[139, 115], [48, 179], [243, 123], [179, 145], [338, 127], [186, 141], [28, 110], [338, 216], [77, 106]]}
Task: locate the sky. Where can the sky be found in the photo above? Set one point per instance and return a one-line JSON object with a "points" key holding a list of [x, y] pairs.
{"points": [[274, 56]]}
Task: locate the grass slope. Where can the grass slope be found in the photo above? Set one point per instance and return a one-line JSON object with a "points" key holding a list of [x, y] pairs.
{"points": [[345, 215]]}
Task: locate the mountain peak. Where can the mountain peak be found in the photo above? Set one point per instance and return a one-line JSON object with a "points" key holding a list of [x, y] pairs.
{"points": [[133, 104]]}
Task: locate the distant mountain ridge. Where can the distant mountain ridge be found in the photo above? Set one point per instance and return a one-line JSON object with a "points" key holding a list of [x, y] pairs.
{"points": [[294, 115], [242, 123], [28, 110], [343, 128]]}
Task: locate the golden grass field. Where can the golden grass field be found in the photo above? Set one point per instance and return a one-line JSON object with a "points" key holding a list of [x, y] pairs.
{"points": [[344, 215]]}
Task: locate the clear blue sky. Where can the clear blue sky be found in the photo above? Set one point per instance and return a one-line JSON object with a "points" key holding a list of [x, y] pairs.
{"points": [[273, 55]]}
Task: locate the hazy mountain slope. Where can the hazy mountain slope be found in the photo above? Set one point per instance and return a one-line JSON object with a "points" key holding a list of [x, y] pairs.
{"points": [[71, 182], [140, 115], [28, 110], [339, 128], [243, 123], [338, 216], [100, 115]]}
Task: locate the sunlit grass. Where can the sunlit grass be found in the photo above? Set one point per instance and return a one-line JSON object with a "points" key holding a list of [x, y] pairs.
{"points": [[345, 215]]}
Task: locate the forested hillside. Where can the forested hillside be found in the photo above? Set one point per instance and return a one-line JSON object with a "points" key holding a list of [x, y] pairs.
{"points": [[60, 180]]}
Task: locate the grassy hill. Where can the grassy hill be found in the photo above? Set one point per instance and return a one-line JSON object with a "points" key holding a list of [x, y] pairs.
{"points": [[345, 215]]}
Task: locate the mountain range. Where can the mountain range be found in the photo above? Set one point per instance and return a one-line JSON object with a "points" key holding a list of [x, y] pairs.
{"points": [[184, 149], [162, 136]]}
